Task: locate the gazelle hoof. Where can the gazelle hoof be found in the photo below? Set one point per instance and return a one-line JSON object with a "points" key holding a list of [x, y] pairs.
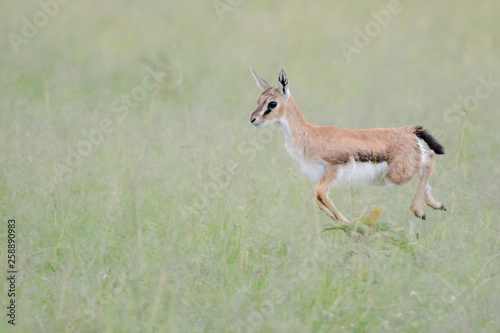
{"points": [[419, 213]]}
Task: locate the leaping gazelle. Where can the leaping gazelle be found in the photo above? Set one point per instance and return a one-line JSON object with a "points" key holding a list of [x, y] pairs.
{"points": [[332, 156]]}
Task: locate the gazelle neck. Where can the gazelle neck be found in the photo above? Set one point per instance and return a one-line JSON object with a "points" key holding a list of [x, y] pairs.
{"points": [[294, 126]]}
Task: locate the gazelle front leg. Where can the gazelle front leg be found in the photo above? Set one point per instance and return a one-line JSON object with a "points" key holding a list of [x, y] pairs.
{"points": [[324, 202]]}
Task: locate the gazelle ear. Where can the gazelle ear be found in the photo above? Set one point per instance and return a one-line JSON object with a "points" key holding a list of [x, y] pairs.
{"points": [[283, 83], [261, 83]]}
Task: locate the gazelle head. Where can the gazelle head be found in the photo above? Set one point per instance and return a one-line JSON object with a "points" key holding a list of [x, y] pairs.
{"points": [[272, 102]]}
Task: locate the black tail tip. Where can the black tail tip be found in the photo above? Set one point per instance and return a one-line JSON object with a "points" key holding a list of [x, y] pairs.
{"points": [[429, 139], [439, 150]]}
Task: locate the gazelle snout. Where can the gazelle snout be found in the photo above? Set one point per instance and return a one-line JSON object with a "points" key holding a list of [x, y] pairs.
{"points": [[253, 119]]}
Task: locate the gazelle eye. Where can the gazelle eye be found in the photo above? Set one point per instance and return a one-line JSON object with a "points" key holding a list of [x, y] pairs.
{"points": [[272, 105]]}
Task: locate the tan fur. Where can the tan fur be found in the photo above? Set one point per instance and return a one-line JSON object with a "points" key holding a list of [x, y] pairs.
{"points": [[334, 148]]}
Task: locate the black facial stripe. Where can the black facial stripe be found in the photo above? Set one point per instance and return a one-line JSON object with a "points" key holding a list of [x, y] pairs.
{"points": [[266, 112], [254, 113]]}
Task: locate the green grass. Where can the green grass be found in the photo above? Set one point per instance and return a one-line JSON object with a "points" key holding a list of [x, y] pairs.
{"points": [[184, 218]]}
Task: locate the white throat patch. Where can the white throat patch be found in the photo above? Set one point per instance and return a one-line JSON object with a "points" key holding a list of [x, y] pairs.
{"points": [[312, 168]]}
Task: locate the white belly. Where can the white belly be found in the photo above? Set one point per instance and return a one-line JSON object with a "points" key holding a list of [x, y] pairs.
{"points": [[351, 173], [362, 173]]}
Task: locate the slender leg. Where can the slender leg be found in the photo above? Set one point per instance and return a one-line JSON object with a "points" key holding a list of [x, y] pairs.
{"points": [[429, 199], [415, 203], [325, 209], [324, 202], [425, 189]]}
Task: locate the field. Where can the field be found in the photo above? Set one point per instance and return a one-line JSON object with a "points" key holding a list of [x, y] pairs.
{"points": [[144, 201]]}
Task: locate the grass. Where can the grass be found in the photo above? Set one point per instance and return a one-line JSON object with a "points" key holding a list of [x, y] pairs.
{"points": [[184, 218]]}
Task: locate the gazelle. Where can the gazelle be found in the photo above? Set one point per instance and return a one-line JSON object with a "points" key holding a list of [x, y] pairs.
{"points": [[332, 156]]}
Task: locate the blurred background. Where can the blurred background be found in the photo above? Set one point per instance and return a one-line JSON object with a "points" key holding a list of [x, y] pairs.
{"points": [[146, 201]]}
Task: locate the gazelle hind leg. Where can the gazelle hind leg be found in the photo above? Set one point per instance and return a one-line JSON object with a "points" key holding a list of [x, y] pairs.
{"points": [[429, 199], [415, 203], [324, 202], [425, 189]]}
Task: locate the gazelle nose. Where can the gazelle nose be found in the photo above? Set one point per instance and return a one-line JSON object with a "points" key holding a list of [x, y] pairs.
{"points": [[251, 121]]}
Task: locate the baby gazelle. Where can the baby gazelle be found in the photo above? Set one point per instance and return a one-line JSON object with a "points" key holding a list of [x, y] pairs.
{"points": [[332, 156]]}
